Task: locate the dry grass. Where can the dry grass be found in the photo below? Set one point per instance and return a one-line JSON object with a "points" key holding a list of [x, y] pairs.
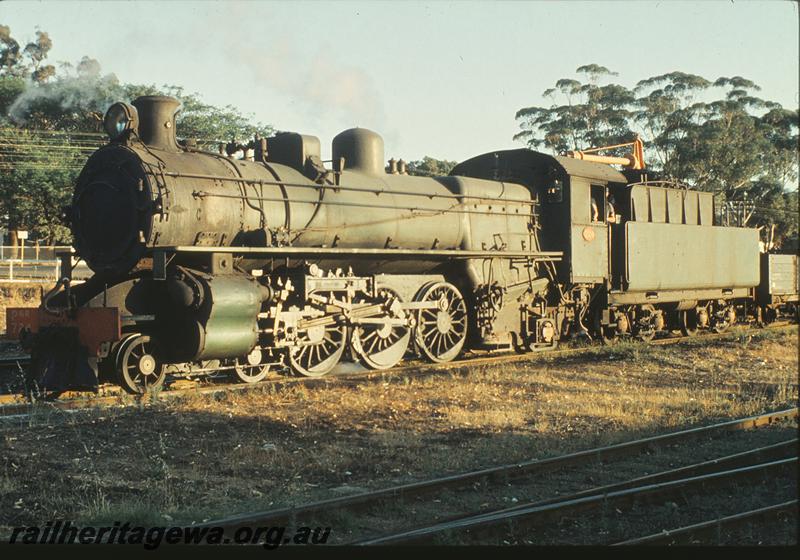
{"points": [[206, 456]]}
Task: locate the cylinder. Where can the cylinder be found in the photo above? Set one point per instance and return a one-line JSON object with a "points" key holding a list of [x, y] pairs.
{"points": [[224, 324]]}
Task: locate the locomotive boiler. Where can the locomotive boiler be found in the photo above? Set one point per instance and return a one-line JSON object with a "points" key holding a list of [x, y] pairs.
{"points": [[205, 263]]}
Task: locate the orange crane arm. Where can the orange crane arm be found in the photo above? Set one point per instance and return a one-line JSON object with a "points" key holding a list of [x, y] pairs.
{"points": [[634, 160]]}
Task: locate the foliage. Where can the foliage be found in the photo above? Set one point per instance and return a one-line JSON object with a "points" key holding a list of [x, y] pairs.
{"points": [[206, 123], [11, 87], [74, 101], [19, 65], [22, 63], [714, 136], [430, 167], [50, 121], [37, 171], [593, 115]]}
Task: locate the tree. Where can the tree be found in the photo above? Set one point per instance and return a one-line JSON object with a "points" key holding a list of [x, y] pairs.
{"points": [[50, 122], [722, 150], [37, 171], [431, 167], [208, 124], [666, 109], [737, 145], [10, 89], [593, 115], [37, 52], [73, 101], [776, 211], [17, 65], [27, 62], [10, 54]]}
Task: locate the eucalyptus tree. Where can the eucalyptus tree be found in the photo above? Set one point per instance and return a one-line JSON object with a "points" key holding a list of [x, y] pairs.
{"points": [[583, 114], [716, 135]]}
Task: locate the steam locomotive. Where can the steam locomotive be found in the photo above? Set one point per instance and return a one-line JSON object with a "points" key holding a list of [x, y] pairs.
{"points": [[203, 262]]}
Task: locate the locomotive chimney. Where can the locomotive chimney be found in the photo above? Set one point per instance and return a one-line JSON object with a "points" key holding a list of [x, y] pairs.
{"points": [[157, 120]]}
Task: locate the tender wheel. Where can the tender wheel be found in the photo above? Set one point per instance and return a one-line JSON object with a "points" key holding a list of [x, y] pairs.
{"points": [[250, 369], [138, 367], [769, 315], [441, 331], [610, 335], [647, 323], [723, 318], [687, 321], [324, 346], [381, 346]]}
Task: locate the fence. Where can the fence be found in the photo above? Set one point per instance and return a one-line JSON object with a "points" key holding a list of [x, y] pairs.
{"points": [[31, 263]]}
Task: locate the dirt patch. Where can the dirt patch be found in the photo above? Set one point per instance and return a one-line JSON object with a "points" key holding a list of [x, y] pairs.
{"points": [[207, 456]]}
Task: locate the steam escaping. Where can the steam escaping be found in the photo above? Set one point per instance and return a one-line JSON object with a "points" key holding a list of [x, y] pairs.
{"points": [[319, 82], [75, 95]]}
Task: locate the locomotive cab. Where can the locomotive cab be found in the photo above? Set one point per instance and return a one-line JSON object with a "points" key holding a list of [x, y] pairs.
{"points": [[574, 205]]}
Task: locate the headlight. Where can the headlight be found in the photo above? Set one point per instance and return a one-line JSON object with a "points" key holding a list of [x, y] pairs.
{"points": [[119, 119]]}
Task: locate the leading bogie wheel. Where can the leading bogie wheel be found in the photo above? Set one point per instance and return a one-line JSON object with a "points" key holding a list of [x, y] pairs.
{"points": [[441, 329], [250, 369], [138, 366]]}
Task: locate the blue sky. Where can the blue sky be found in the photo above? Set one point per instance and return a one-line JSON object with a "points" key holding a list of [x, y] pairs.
{"points": [[434, 78]]}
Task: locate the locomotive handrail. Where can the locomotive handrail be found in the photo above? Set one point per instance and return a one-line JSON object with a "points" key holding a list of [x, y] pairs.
{"points": [[552, 256], [376, 192], [433, 211]]}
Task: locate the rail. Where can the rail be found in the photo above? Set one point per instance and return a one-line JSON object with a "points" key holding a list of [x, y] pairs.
{"points": [[501, 473], [683, 535], [537, 512], [26, 263]]}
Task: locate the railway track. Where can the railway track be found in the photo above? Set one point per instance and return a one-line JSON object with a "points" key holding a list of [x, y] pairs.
{"points": [[666, 484], [497, 478], [110, 395], [691, 533]]}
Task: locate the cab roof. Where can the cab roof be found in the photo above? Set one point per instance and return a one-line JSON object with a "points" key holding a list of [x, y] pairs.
{"points": [[519, 164]]}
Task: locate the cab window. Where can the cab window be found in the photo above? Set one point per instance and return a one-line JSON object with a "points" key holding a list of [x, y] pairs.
{"points": [[597, 210]]}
